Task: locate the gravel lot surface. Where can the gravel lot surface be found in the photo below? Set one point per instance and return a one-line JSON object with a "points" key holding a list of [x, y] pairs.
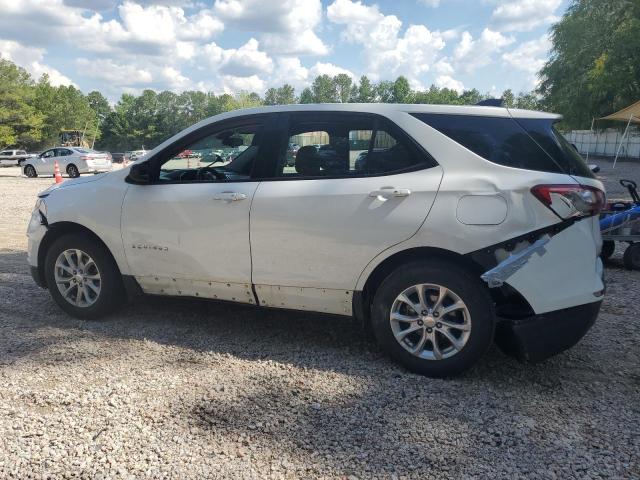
{"points": [[191, 389]]}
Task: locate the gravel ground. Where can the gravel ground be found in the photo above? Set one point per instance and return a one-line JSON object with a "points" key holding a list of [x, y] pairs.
{"points": [[191, 389]]}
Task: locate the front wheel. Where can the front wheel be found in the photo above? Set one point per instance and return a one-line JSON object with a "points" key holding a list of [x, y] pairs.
{"points": [[433, 317], [631, 257], [82, 277], [73, 171], [30, 171]]}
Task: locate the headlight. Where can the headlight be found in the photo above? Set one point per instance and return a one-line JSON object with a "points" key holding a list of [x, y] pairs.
{"points": [[40, 212]]}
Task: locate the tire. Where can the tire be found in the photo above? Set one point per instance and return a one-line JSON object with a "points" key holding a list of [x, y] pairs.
{"points": [[478, 315], [631, 257], [608, 247], [73, 171], [110, 293], [30, 171]]}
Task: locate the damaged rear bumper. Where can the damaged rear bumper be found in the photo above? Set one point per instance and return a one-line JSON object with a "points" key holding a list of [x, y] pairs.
{"points": [[539, 337]]}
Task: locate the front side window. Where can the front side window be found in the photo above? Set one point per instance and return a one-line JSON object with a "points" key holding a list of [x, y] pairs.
{"points": [[348, 148], [226, 155], [49, 154]]}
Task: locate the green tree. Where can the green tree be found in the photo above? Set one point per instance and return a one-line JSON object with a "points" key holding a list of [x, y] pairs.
{"points": [[324, 89], [384, 91], [508, 99], [366, 91], [20, 122], [401, 90], [271, 96], [306, 96], [343, 85], [594, 67], [286, 95]]}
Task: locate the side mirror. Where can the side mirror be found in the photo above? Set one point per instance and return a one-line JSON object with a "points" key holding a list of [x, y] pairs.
{"points": [[594, 168], [139, 174]]}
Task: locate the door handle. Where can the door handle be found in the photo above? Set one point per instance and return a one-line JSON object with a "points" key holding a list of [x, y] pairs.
{"points": [[229, 196], [387, 192]]}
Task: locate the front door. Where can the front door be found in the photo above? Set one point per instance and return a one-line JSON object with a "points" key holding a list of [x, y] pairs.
{"points": [[187, 232], [356, 186], [45, 162]]}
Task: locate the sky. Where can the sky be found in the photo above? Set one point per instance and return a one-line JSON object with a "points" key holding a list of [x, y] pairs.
{"points": [[117, 46]]}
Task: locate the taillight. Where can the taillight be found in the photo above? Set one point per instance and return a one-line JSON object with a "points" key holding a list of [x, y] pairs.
{"points": [[568, 201]]}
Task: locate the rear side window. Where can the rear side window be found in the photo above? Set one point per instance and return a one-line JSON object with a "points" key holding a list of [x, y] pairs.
{"points": [[527, 144], [347, 146]]}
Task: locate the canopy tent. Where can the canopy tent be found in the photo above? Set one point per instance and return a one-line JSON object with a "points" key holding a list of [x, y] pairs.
{"points": [[628, 114], [632, 112]]}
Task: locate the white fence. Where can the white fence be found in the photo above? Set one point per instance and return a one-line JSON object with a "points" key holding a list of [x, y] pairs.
{"points": [[605, 143]]}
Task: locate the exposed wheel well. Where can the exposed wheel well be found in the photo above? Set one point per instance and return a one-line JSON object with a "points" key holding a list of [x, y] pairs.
{"points": [[55, 231], [362, 301]]}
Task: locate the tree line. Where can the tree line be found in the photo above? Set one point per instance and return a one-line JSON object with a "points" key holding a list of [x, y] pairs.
{"points": [[593, 70], [32, 113]]}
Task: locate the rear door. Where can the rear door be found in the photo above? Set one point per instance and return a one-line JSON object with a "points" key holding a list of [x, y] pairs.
{"points": [[356, 186]]}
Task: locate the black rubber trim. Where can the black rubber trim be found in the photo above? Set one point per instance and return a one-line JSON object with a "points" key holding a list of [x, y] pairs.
{"points": [[539, 337]]}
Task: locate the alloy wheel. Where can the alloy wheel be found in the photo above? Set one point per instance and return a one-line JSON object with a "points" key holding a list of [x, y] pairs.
{"points": [[430, 321], [77, 278]]}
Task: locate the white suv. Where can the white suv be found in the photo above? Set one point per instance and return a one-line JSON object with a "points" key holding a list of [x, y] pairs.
{"points": [[455, 226]]}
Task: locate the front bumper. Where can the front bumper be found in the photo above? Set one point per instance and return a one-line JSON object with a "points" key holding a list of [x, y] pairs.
{"points": [[539, 337]]}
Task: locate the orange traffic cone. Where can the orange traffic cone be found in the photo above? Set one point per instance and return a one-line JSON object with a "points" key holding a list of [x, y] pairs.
{"points": [[56, 172]]}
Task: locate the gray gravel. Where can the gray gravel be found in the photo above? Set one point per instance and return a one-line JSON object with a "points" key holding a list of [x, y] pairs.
{"points": [[192, 389]]}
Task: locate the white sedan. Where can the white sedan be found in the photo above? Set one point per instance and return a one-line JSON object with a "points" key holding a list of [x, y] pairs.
{"points": [[72, 160]]}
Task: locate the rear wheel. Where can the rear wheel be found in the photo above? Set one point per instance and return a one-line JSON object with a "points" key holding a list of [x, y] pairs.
{"points": [[608, 247], [434, 318], [82, 277], [30, 171], [73, 171], [631, 257]]}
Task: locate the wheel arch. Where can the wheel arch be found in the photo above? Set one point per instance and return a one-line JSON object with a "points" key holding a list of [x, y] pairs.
{"points": [[57, 230], [363, 298]]}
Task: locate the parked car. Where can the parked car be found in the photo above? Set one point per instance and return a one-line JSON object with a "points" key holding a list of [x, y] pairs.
{"points": [[133, 155], [11, 158], [71, 160], [117, 157], [481, 225]]}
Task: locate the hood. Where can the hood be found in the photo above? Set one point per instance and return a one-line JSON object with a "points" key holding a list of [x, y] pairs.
{"points": [[72, 182]]}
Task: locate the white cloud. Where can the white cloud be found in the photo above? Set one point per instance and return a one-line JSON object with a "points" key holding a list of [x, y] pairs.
{"points": [[285, 26], [245, 61], [387, 52], [470, 54], [524, 15], [232, 84], [529, 57], [30, 59], [446, 81], [430, 3], [175, 80], [327, 69], [115, 74]]}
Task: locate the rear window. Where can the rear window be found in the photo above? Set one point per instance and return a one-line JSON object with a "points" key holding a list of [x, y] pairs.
{"points": [[530, 144]]}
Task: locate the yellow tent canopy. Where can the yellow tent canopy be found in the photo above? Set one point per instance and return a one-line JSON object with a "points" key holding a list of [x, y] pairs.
{"points": [[630, 113]]}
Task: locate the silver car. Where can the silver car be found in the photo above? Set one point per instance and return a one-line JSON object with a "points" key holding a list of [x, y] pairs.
{"points": [[72, 160]]}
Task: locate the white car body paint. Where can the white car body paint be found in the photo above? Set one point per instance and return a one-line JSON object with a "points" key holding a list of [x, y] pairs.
{"points": [[91, 162], [309, 244]]}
